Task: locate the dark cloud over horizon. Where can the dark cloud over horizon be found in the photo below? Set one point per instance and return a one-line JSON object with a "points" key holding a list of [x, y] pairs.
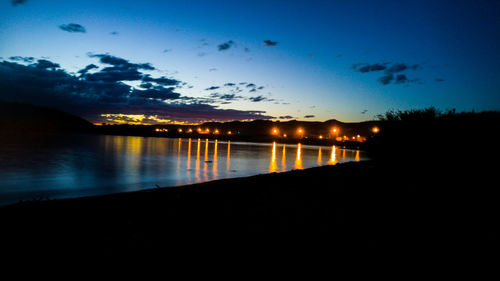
{"points": [[90, 95], [72, 27]]}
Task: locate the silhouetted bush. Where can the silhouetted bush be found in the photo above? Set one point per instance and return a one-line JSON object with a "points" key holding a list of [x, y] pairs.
{"points": [[417, 136]]}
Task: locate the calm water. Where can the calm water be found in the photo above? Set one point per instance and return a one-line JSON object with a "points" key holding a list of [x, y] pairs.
{"points": [[84, 165]]}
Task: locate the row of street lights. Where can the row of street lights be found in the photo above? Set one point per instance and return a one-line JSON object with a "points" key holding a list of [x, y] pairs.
{"points": [[300, 132], [335, 131]]}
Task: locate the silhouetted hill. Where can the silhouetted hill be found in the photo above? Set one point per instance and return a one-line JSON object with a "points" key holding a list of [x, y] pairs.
{"points": [[25, 118]]}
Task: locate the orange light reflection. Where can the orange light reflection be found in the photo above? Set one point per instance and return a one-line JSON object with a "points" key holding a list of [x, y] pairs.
{"points": [[272, 166], [298, 161]]}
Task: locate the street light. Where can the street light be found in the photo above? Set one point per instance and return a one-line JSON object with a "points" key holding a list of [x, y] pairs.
{"points": [[300, 132]]}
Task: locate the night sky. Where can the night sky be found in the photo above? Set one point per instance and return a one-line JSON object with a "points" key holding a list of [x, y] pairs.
{"points": [[195, 61]]}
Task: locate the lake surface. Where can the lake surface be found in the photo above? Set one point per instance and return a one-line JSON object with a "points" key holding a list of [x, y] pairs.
{"points": [[85, 165]]}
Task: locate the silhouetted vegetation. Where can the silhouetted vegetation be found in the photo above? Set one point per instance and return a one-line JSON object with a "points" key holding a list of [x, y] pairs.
{"points": [[411, 135]]}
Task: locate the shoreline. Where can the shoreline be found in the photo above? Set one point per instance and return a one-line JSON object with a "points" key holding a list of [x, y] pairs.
{"points": [[160, 188], [349, 206]]}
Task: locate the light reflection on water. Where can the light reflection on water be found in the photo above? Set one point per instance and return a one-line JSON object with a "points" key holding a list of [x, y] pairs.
{"points": [[85, 165]]}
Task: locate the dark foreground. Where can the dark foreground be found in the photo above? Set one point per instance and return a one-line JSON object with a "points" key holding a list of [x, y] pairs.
{"points": [[354, 207]]}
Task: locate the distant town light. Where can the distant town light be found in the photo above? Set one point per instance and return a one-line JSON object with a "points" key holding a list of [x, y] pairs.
{"points": [[284, 135], [229, 132], [375, 129], [190, 130], [275, 131], [216, 131], [180, 130], [320, 137]]}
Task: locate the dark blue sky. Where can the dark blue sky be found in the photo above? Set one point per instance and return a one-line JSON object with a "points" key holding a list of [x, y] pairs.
{"points": [[347, 60]]}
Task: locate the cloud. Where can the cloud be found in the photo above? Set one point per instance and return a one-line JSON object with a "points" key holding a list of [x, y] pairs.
{"points": [[18, 2], [401, 78], [212, 88], [387, 79], [157, 92], [45, 83], [122, 70], [398, 67], [22, 59], [309, 116], [369, 67], [390, 71], [45, 64], [225, 97], [114, 33], [229, 84], [72, 27], [286, 117], [439, 80], [259, 99], [269, 43], [162, 81], [225, 46], [119, 62], [87, 68]]}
